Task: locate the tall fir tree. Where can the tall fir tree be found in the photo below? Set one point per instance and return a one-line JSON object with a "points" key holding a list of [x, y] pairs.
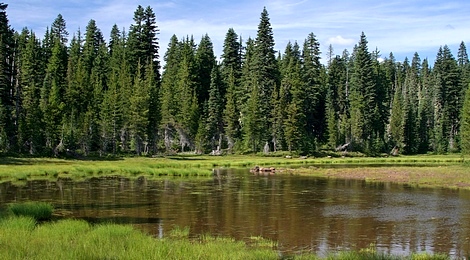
{"points": [[7, 125], [231, 72], [315, 95], [336, 102], [425, 109], [266, 78], [363, 99], [465, 124], [204, 63], [448, 100], [292, 98], [30, 75]]}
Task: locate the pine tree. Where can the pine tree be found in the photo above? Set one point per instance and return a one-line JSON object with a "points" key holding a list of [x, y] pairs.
{"points": [[204, 62], [336, 102], [139, 109], [465, 124], [214, 124], [248, 100], [30, 75], [52, 97], [231, 72], [59, 30], [143, 41], [187, 118], [292, 101], [231, 65], [266, 74], [316, 93], [231, 113], [363, 98], [412, 89], [168, 99], [7, 126], [425, 110], [449, 100]]}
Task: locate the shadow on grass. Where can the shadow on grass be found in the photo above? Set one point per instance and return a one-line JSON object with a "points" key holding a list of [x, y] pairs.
{"points": [[186, 158], [51, 160]]}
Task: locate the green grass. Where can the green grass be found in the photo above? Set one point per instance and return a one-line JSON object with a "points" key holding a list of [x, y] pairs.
{"points": [[77, 239], [24, 169], [37, 210]]}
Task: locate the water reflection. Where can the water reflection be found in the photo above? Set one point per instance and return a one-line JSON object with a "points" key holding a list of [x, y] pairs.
{"points": [[301, 213]]}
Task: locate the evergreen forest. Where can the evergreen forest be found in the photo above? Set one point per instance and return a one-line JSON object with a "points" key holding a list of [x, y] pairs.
{"points": [[79, 94]]}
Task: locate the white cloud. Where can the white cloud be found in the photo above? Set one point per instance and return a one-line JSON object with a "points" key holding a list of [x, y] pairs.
{"points": [[339, 40]]}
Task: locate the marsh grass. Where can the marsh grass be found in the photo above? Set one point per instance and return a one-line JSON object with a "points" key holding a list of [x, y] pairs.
{"points": [[37, 210], [192, 165], [75, 239], [23, 238]]}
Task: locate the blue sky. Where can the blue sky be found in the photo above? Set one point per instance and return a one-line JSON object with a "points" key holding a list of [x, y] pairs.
{"points": [[399, 26]]}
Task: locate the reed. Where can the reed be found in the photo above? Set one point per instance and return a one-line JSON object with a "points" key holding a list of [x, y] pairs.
{"points": [[37, 210]]}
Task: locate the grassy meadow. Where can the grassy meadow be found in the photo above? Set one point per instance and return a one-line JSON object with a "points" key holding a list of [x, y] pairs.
{"points": [[432, 170]]}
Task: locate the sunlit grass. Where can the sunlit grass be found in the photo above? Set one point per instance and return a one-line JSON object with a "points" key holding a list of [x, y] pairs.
{"points": [[14, 169], [23, 238], [75, 239]]}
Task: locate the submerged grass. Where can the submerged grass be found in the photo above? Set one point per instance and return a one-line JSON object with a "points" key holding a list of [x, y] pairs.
{"points": [[22, 238]]}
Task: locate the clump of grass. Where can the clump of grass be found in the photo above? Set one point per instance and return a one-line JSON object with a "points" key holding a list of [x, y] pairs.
{"points": [[37, 210], [179, 233]]}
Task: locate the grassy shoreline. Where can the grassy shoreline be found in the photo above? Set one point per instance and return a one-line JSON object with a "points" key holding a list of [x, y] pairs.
{"points": [[77, 239], [449, 171]]}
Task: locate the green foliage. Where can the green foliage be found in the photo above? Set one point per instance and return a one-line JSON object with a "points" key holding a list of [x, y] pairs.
{"points": [[89, 96], [465, 124]]}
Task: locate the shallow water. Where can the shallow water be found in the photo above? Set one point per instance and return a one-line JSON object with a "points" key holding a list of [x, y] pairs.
{"points": [[301, 213]]}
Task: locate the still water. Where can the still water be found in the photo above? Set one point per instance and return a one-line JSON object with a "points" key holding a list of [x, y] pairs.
{"points": [[303, 214]]}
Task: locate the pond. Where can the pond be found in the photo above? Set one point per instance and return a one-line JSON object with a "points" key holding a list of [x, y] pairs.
{"points": [[301, 213]]}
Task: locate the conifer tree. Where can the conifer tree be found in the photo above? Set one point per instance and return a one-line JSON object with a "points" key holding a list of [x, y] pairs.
{"points": [[336, 102], [465, 125], [448, 100], [139, 109], [7, 126], [293, 98], [52, 97], [143, 41], [204, 62], [231, 113], [315, 95], [214, 122], [266, 78], [30, 75], [168, 98], [425, 110], [363, 98], [231, 72], [187, 118], [231, 60], [412, 89]]}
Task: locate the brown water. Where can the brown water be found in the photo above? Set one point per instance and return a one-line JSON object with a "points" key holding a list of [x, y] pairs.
{"points": [[300, 213]]}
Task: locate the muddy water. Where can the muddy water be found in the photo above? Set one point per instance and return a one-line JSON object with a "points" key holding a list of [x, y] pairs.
{"points": [[300, 213]]}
